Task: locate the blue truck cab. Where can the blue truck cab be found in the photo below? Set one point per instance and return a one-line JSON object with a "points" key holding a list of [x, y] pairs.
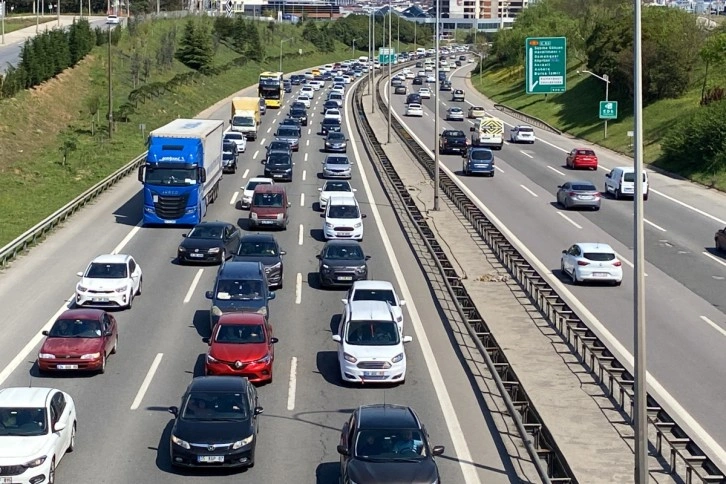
{"points": [[182, 171]]}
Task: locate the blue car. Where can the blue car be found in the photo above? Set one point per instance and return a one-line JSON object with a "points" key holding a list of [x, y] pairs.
{"points": [[478, 161]]}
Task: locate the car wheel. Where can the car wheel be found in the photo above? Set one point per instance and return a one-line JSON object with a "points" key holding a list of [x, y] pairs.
{"points": [[72, 443], [114, 350], [645, 197], [223, 256], [102, 370], [141, 283], [618, 195], [51, 472], [131, 301]]}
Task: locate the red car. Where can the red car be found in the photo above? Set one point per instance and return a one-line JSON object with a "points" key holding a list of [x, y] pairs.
{"points": [[80, 339], [582, 158], [241, 345]]}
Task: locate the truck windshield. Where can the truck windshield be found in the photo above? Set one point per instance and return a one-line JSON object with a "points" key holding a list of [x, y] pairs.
{"points": [[171, 176], [270, 92], [243, 121]]}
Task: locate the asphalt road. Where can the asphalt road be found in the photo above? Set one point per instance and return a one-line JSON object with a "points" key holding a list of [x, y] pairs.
{"points": [[124, 430], [685, 288]]}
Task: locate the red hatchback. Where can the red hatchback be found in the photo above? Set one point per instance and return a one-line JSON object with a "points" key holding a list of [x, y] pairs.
{"points": [[241, 345], [582, 158], [80, 339]]}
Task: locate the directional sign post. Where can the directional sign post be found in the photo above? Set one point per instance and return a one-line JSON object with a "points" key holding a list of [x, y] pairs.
{"points": [[546, 65], [608, 110], [386, 55]]}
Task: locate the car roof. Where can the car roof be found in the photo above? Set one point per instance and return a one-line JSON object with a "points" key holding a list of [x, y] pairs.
{"points": [[370, 311], [344, 198], [240, 269], [596, 247], [258, 238], [337, 182], [25, 397], [625, 169], [261, 179], [111, 258], [218, 384], [386, 415], [241, 318], [274, 188], [82, 313], [479, 148], [372, 284]]}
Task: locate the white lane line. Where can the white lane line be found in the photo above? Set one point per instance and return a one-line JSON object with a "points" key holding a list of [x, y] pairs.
{"points": [[269, 129], [195, 281], [529, 191], [305, 171], [128, 238], [147, 381], [307, 143], [555, 170], [526, 154], [306, 157], [310, 130], [461, 448], [234, 198], [498, 169], [298, 288], [255, 155], [654, 225], [247, 172], [569, 220], [300, 235], [278, 113], [713, 325], [292, 387], [714, 258], [302, 199], [312, 115], [683, 204], [262, 141]]}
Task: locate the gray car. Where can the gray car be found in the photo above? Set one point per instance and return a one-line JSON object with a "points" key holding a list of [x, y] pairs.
{"points": [[291, 134], [263, 248], [337, 166], [478, 161], [578, 194], [342, 262], [455, 114], [336, 143]]}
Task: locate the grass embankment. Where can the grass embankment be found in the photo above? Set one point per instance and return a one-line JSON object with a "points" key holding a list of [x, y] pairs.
{"points": [[34, 182], [13, 24], [576, 112]]}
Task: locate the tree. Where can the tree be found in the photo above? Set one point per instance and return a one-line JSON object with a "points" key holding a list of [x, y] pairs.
{"points": [[196, 50], [254, 49], [713, 52]]}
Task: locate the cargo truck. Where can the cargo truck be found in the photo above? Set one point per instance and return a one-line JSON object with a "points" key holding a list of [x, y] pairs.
{"points": [[182, 171], [245, 117]]}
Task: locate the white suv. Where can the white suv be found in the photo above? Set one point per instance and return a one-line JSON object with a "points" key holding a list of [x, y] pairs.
{"points": [[109, 280], [370, 346], [343, 219], [377, 291], [621, 182], [521, 134]]}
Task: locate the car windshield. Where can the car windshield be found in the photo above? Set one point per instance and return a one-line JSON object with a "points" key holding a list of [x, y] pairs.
{"points": [[375, 295], [278, 159], [525, 129], [22, 421], [211, 406], [372, 333], [175, 177], [455, 134], [233, 136], [336, 160], [229, 147], [240, 334], [257, 248], [336, 137], [252, 184], [481, 155], [76, 328], [599, 256], [267, 200], [239, 290], [291, 132], [331, 122], [99, 270], [343, 211], [584, 188], [206, 232], [389, 444], [297, 105], [243, 121], [278, 146], [343, 252], [337, 187]]}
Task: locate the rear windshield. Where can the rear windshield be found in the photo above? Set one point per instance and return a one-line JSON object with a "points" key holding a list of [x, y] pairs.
{"points": [[481, 155], [586, 152], [599, 256], [630, 177], [523, 129], [584, 188]]}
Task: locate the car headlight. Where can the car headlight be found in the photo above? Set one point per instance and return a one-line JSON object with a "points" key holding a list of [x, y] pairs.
{"points": [[243, 442], [328, 225], [362, 268], [211, 359], [397, 358], [35, 462], [216, 311], [46, 356], [214, 250], [349, 357], [262, 311], [122, 288], [253, 215], [264, 360], [326, 267], [180, 442], [91, 356], [358, 225], [81, 288], [276, 266], [182, 249]]}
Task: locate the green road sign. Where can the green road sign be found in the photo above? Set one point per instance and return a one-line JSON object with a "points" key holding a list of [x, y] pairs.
{"points": [[546, 65], [386, 55], [608, 110]]}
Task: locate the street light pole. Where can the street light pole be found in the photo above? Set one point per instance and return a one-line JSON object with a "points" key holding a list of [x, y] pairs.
{"points": [[4, 3], [606, 79], [354, 48], [436, 113], [390, 66], [398, 34], [282, 41], [373, 66], [110, 89], [415, 40]]}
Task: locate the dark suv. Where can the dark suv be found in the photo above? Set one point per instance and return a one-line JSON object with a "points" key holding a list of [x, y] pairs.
{"points": [[413, 98], [263, 248], [453, 141], [299, 114], [278, 166]]}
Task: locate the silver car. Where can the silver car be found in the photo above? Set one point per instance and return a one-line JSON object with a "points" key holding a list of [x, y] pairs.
{"points": [[337, 166], [578, 194], [455, 114]]}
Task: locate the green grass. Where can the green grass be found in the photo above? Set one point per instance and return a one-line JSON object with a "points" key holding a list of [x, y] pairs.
{"points": [[576, 112], [13, 24]]}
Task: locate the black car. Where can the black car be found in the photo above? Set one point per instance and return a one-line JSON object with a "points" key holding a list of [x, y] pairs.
{"points": [[330, 105], [418, 81], [297, 79], [216, 424], [419, 65], [241, 286], [342, 262], [445, 86], [291, 134], [229, 157], [327, 76], [336, 142], [457, 63], [297, 105], [413, 98], [291, 122], [453, 141], [287, 85], [300, 114], [386, 443], [263, 248], [330, 125], [209, 242], [279, 146], [278, 166]]}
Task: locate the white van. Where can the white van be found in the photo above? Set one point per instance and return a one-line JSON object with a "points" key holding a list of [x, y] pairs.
{"points": [[620, 182], [363, 59]]}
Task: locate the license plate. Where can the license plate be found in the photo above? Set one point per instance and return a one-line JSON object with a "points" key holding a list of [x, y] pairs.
{"points": [[373, 373], [586, 197], [6, 480], [196, 255], [208, 459], [345, 278], [276, 176], [100, 299], [267, 222], [66, 367], [169, 221], [600, 274]]}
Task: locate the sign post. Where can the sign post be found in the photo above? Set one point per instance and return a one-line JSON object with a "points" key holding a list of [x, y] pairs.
{"points": [[546, 65], [608, 110]]}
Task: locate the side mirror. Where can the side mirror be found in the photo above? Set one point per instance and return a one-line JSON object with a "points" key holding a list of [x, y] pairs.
{"points": [[407, 339], [322, 215], [202, 175], [336, 338], [207, 340], [142, 170], [184, 236], [59, 426], [79, 274], [259, 410], [272, 295], [464, 155], [209, 295], [274, 340], [318, 256], [363, 215], [262, 162], [355, 190], [342, 450], [45, 332], [283, 252], [564, 252], [344, 301], [368, 257], [559, 186], [320, 189], [174, 411], [437, 450], [402, 303], [289, 204], [108, 333]]}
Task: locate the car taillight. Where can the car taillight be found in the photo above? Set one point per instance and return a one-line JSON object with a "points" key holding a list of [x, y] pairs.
{"points": [[582, 263], [617, 263], [571, 194]]}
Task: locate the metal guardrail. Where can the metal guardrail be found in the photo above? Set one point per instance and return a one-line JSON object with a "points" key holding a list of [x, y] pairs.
{"points": [[671, 440], [35, 234], [526, 117]]}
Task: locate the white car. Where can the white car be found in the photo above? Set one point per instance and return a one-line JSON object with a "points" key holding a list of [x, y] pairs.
{"points": [[430, 79], [305, 100], [370, 346], [586, 261], [377, 291], [414, 109], [521, 134], [308, 90], [333, 114], [337, 97], [113, 20], [339, 88], [249, 189], [343, 219], [37, 428], [410, 75], [110, 280], [331, 188], [238, 139], [455, 113], [425, 93], [316, 85], [347, 78]]}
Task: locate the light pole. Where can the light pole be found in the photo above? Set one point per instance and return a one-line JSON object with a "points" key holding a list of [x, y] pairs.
{"points": [[606, 79], [436, 113], [37, 15], [57, 11], [398, 34], [390, 65], [354, 48], [373, 64], [2, 12], [110, 89], [282, 42]]}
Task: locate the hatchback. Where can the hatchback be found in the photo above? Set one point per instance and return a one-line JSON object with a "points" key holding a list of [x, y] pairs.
{"points": [[336, 142], [581, 158], [208, 242], [342, 262], [587, 261], [109, 280], [337, 166], [455, 114], [414, 109]]}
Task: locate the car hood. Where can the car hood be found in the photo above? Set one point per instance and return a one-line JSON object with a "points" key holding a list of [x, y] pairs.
{"points": [[418, 472], [277, 168], [268, 210], [344, 263], [238, 352], [71, 346], [191, 244], [239, 306], [14, 449], [206, 432], [336, 167], [327, 195], [456, 141], [104, 284], [269, 260]]}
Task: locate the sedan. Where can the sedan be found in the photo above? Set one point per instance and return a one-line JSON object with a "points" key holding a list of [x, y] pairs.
{"points": [[591, 262], [109, 280], [209, 242], [219, 416], [336, 142], [454, 114], [401, 89], [333, 113], [342, 262], [581, 158], [305, 100], [330, 125], [418, 81], [430, 79], [414, 109], [80, 339], [113, 20], [280, 145], [578, 194], [333, 187], [249, 189], [522, 134], [241, 345], [301, 115], [425, 93], [476, 112], [265, 249], [237, 138], [337, 166], [328, 105], [308, 91], [278, 166]]}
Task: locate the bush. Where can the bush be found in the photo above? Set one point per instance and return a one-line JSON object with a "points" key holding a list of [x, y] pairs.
{"points": [[698, 142]]}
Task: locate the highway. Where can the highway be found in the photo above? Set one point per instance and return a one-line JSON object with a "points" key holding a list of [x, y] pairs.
{"points": [[686, 288], [124, 425]]}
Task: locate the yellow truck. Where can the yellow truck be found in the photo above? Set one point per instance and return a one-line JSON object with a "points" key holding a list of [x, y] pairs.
{"points": [[488, 132], [245, 117]]}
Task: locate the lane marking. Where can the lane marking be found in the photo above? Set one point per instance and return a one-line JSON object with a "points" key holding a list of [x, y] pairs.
{"points": [[128, 238], [711, 256], [268, 130], [310, 130], [555, 170], [498, 169], [714, 325], [302, 199], [262, 141], [525, 153], [300, 235], [654, 225], [312, 115], [529, 191], [255, 155], [298, 288], [307, 143], [247, 172], [234, 198], [569, 219], [147, 381], [305, 171], [292, 386], [306, 157], [278, 113], [195, 281]]}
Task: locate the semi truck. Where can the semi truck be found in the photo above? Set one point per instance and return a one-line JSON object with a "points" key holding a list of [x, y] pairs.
{"points": [[245, 117], [182, 171]]}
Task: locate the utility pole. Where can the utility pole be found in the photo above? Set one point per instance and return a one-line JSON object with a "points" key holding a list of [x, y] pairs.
{"points": [[436, 114], [37, 15], [57, 11], [110, 89], [390, 65], [3, 19], [373, 66]]}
